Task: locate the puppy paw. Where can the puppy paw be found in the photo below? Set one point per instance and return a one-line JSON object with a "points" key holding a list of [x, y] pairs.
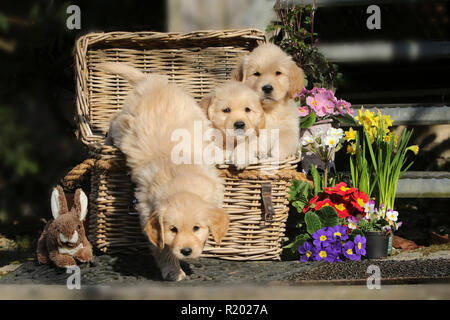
{"points": [[173, 275], [241, 166], [240, 161], [253, 158]]}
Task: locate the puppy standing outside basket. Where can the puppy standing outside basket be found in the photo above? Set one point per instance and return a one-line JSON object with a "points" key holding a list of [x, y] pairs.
{"points": [[178, 204]]}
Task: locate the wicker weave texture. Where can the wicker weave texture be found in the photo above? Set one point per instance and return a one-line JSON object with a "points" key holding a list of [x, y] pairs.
{"points": [[250, 237]]}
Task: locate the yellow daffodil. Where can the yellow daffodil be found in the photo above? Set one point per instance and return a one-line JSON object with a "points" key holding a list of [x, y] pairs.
{"points": [[387, 137], [369, 118], [360, 116], [372, 134], [414, 148], [365, 117], [377, 121], [350, 135], [351, 148], [388, 121]]}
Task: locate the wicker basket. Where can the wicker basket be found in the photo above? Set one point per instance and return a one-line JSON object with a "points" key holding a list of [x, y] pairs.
{"points": [[256, 199]]}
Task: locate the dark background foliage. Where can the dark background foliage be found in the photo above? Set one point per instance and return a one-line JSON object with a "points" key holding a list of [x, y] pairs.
{"points": [[37, 97]]}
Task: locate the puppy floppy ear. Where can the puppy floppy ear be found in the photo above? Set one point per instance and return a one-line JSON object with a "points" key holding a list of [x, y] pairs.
{"points": [[80, 202], [206, 102], [58, 202], [239, 73], [154, 230], [296, 80], [218, 223]]}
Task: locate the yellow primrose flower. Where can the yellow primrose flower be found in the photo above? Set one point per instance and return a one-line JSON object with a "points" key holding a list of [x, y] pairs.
{"points": [[351, 148], [350, 134]]}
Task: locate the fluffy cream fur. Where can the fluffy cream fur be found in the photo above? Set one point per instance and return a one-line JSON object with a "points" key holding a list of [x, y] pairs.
{"points": [[228, 105], [268, 65], [178, 204]]}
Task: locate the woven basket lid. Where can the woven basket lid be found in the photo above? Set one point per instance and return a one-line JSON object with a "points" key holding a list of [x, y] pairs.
{"points": [[197, 61]]}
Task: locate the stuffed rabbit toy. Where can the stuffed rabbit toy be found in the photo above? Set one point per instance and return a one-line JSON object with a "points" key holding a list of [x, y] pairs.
{"points": [[63, 240]]}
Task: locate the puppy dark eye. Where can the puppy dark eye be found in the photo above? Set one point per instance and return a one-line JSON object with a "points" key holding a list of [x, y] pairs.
{"points": [[257, 74], [226, 110], [78, 227], [174, 229], [278, 73], [247, 109], [195, 228]]}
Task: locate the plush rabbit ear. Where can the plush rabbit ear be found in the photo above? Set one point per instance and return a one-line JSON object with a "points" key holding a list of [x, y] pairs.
{"points": [[80, 202], [58, 202]]}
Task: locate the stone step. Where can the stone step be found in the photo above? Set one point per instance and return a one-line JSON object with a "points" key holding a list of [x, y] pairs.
{"points": [[412, 114], [424, 184]]}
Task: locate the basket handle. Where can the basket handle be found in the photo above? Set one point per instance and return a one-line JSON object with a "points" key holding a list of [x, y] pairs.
{"points": [[269, 211]]}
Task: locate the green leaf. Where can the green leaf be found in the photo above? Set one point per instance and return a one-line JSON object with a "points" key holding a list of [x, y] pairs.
{"points": [[316, 179], [347, 119], [312, 221], [364, 226], [291, 250], [328, 216], [308, 121], [298, 241], [356, 232], [299, 194]]}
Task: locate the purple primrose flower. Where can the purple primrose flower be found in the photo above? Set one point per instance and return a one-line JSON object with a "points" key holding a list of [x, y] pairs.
{"points": [[349, 251], [307, 252], [339, 232], [327, 254], [360, 245], [322, 238]]}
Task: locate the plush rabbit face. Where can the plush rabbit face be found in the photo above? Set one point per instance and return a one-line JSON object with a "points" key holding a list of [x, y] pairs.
{"points": [[67, 229]]}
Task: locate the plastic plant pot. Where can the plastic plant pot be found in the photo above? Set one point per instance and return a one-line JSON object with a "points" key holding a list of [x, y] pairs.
{"points": [[376, 244]]}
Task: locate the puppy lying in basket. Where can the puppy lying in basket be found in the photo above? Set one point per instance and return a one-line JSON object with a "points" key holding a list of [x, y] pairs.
{"points": [[178, 204], [235, 110], [276, 78]]}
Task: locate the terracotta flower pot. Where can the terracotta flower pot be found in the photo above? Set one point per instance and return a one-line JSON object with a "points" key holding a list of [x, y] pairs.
{"points": [[376, 244]]}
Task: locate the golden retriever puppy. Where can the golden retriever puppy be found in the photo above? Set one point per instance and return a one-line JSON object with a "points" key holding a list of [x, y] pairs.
{"points": [[235, 110], [178, 204], [276, 78]]}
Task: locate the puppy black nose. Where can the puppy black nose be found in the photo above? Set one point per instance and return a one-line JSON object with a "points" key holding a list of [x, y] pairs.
{"points": [[186, 251], [239, 125], [267, 88]]}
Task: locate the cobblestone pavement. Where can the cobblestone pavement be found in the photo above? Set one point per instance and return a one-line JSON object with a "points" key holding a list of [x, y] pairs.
{"points": [[130, 270], [141, 270]]}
